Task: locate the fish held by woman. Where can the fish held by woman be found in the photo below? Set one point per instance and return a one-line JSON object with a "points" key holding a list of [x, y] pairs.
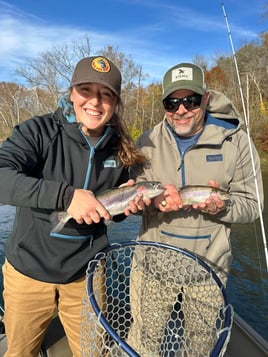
{"points": [[115, 201]]}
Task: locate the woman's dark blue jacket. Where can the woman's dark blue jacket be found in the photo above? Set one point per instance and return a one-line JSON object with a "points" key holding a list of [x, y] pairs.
{"points": [[41, 164]]}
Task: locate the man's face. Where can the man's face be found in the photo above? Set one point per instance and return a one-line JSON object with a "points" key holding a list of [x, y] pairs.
{"points": [[187, 122]]}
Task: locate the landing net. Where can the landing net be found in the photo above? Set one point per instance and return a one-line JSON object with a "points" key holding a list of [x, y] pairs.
{"points": [[150, 299]]}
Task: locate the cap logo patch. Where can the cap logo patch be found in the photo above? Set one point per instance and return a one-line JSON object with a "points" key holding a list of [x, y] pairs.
{"points": [[182, 74], [100, 64]]}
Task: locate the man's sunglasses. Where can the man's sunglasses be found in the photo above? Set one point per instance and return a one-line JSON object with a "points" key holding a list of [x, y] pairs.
{"points": [[190, 103]]}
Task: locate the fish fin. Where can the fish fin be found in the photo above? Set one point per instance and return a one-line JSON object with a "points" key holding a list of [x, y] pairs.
{"points": [[58, 220]]}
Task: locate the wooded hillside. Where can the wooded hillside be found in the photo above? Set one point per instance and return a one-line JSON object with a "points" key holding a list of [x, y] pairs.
{"points": [[47, 77]]}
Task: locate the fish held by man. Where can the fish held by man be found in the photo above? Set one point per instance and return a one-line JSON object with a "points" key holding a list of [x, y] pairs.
{"points": [[115, 201], [192, 194]]}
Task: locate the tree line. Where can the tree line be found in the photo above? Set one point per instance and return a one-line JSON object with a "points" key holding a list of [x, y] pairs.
{"points": [[48, 76]]}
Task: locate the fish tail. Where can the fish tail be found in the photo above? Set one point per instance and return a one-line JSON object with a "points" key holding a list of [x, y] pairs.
{"points": [[58, 220]]}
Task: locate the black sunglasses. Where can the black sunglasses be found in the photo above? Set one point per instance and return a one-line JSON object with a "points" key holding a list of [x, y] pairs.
{"points": [[190, 103]]}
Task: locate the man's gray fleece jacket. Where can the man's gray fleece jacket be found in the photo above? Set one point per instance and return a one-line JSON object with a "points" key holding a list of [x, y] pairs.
{"points": [[221, 154]]}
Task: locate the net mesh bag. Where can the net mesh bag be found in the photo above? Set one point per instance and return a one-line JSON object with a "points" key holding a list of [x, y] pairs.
{"points": [[148, 299]]}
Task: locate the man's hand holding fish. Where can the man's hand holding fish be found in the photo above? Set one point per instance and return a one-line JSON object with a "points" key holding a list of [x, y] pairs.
{"points": [[206, 199], [214, 204], [169, 200]]}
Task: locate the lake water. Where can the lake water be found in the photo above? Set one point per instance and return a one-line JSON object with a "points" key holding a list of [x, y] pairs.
{"points": [[247, 287]]}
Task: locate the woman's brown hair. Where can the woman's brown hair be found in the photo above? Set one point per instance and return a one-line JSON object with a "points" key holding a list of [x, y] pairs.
{"points": [[128, 152]]}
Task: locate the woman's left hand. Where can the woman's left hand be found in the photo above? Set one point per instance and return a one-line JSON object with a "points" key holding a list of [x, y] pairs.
{"points": [[138, 204]]}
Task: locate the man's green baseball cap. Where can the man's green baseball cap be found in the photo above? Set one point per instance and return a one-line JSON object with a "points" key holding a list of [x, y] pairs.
{"points": [[183, 76]]}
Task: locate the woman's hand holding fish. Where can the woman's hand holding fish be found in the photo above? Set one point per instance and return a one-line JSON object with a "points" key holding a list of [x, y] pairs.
{"points": [[130, 182], [169, 200], [138, 204], [84, 207]]}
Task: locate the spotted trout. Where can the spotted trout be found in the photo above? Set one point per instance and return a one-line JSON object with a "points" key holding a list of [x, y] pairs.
{"points": [[115, 201], [192, 194]]}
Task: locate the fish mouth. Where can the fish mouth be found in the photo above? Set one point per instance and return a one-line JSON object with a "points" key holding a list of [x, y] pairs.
{"points": [[157, 185]]}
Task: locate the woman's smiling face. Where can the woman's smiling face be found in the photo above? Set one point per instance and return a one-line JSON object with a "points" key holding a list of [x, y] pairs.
{"points": [[94, 105]]}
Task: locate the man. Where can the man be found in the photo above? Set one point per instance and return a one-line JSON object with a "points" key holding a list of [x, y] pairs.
{"points": [[199, 142]]}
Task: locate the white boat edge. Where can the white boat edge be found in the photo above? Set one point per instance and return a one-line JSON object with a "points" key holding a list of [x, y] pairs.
{"points": [[244, 341]]}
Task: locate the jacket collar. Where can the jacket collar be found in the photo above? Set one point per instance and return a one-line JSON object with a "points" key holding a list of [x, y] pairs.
{"points": [[66, 117]]}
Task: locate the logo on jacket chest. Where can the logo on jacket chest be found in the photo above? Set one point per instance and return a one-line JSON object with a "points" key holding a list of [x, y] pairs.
{"points": [[109, 163], [212, 158]]}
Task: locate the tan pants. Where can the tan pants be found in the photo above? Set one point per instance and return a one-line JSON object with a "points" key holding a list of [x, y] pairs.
{"points": [[29, 307]]}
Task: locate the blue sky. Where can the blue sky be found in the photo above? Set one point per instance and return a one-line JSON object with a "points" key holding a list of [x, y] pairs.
{"points": [[156, 33]]}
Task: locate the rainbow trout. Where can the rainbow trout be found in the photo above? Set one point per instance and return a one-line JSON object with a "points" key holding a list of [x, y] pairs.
{"points": [[192, 194], [115, 201]]}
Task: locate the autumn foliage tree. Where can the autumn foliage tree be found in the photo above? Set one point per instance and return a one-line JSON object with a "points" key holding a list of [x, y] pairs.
{"points": [[48, 76]]}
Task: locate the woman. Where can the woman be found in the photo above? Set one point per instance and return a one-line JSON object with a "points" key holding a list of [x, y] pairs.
{"points": [[60, 161]]}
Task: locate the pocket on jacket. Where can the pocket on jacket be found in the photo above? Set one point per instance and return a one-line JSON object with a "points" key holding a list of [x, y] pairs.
{"points": [[196, 240]]}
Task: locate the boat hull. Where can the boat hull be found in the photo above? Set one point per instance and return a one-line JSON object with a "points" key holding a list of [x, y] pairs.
{"points": [[244, 341]]}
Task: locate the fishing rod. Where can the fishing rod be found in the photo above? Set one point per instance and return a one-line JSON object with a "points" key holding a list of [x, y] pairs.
{"points": [[248, 134]]}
